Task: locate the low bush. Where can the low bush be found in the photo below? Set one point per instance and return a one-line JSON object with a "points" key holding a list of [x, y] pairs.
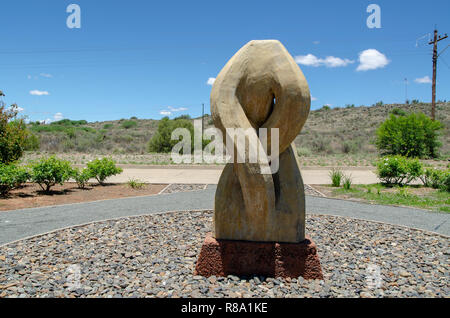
{"points": [[101, 169], [398, 112], [336, 176], [446, 181], [414, 136], [11, 177], [436, 179], [136, 184], [347, 182], [51, 171], [304, 152], [82, 177], [129, 124], [68, 122], [398, 170], [32, 142]]}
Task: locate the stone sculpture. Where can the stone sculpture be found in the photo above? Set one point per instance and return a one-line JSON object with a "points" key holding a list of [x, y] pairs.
{"points": [[261, 87], [259, 219]]}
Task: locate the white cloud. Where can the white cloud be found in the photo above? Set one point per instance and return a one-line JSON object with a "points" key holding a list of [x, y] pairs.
{"points": [[39, 93], [309, 60], [46, 75], [179, 109], [170, 110], [210, 81], [316, 42], [423, 80], [329, 61], [18, 109], [29, 76], [371, 59], [313, 98], [58, 116]]}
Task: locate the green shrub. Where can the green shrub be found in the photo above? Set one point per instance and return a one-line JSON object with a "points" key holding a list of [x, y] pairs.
{"points": [[129, 124], [446, 181], [336, 176], [82, 177], [11, 177], [101, 169], [398, 170], [182, 117], [68, 122], [13, 134], [322, 145], [414, 135], [107, 126], [161, 140], [347, 182], [135, 184], [398, 112], [52, 128], [350, 147], [304, 152], [436, 179], [32, 142], [51, 171]]}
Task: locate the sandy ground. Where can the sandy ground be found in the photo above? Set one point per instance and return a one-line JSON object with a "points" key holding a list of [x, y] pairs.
{"points": [[211, 175], [31, 196]]}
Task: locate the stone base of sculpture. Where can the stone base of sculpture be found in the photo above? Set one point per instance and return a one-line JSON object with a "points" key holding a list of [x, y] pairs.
{"points": [[245, 259]]}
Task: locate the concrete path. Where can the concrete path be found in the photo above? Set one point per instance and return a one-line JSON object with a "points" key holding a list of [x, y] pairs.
{"points": [[211, 175], [18, 224]]}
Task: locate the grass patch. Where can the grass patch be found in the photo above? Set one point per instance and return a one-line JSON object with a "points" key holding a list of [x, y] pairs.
{"points": [[418, 197], [136, 184]]}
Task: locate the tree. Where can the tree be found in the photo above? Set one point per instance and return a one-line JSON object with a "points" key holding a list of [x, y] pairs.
{"points": [[161, 141], [13, 133], [415, 135]]}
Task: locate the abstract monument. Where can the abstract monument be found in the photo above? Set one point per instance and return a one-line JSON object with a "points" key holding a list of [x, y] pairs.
{"points": [[259, 218]]}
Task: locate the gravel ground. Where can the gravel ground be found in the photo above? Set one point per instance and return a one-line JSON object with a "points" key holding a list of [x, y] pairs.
{"points": [[155, 255], [309, 190], [177, 187]]}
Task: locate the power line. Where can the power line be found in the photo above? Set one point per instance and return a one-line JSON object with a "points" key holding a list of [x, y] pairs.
{"points": [[445, 62]]}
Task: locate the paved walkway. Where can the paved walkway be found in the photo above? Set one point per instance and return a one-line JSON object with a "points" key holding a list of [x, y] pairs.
{"points": [[18, 224], [211, 175]]}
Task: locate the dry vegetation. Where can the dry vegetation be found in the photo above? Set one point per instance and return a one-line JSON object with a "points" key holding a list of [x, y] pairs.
{"points": [[331, 137]]}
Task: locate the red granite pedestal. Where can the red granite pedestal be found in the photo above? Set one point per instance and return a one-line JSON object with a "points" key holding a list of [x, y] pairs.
{"points": [[241, 258]]}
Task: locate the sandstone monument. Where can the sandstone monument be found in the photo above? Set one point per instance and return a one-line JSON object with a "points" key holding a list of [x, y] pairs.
{"points": [[259, 219]]}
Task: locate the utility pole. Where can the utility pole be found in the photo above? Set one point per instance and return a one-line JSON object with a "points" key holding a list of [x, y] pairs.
{"points": [[203, 116], [406, 91], [435, 58]]}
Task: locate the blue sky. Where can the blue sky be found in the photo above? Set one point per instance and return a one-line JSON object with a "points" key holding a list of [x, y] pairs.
{"points": [[149, 58]]}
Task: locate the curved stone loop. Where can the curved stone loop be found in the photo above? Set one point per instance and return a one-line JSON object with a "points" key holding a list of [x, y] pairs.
{"points": [[261, 87]]}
